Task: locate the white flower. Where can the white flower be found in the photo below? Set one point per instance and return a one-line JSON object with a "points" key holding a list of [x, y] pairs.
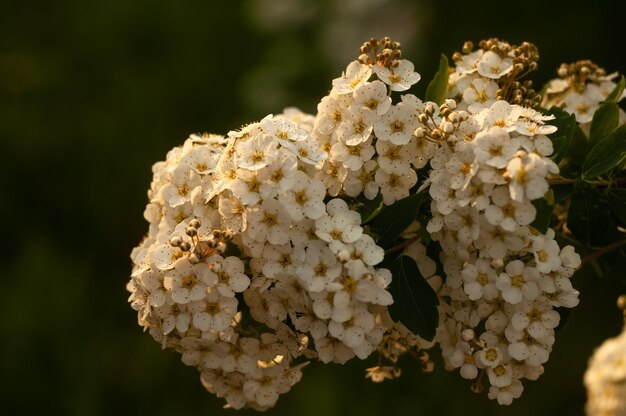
{"points": [[362, 181], [356, 127], [506, 394], [518, 282], [355, 75], [479, 280], [538, 318], [392, 158], [214, 313], [332, 350], [278, 177], [352, 332], [365, 249], [353, 156], [246, 187], [393, 186], [499, 376], [462, 166], [308, 151], [399, 78], [269, 222], [153, 282], [507, 213], [306, 198], [491, 65], [179, 189], [501, 114], [188, 282], [489, 357], [340, 225], [534, 128], [546, 252], [283, 130], [583, 106], [527, 173], [233, 213], [462, 357], [468, 63], [318, 266], [228, 275], [397, 125], [494, 147], [465, 222], [373, 97], [256, 152], [569, 257], [330, 113], [481, 94], [164, 256]]}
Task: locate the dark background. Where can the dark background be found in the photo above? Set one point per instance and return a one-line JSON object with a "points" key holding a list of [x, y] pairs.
{"points": [[92, 93]]}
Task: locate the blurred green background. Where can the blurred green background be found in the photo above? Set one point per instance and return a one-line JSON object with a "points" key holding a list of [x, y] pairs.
{"points": [[92, 93]]}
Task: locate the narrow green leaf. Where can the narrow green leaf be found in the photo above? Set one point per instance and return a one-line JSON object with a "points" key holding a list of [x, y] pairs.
{"points": [[562, 138], [605, 120], [438, 87], [368, 208], [616, 94], [617, 201], [544, 215], [414, 300], [606, 154]]}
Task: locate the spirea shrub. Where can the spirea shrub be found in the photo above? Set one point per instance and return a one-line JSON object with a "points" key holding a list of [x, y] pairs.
{"points": [[386, 224]]}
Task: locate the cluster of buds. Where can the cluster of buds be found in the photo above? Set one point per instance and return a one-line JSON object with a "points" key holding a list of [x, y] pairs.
{"points": [[199, 249], [438, 126], [579, 73], [384, 52], [580, 89]]}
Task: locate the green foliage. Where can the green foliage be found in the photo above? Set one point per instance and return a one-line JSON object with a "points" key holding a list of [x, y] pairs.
{"points": [[606, 154], [394, 219], [589, 216], [415, 301], [616, 94], [368, 208], [604, 122], [544, 213], [438, 86], [562, 138], [617, 200]]}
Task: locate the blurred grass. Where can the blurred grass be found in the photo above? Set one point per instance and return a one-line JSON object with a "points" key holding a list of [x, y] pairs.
{"points": [[92, 93]]}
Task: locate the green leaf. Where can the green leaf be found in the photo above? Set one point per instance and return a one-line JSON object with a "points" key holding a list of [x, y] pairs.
{"points": [[544, 214], [394, 219], [562, 138], [589, 217], [605, 120], [368, 208], [414, 300], [606, 154], [617, 201], [438, 87], [616, 94]]}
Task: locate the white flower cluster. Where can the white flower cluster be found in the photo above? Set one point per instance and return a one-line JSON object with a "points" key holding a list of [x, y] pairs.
{"points": [[255, 261], [504, 278], [605, 376], [580, 89], [250, 264]]}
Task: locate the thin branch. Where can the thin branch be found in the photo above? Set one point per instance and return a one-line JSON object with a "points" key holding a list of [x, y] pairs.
{"points": [[604, 250], [401, 246]]}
